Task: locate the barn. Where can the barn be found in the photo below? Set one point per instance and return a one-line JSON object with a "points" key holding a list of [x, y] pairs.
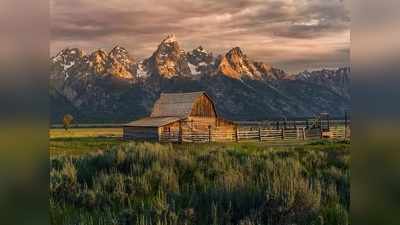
{"points": [[181, 117]]}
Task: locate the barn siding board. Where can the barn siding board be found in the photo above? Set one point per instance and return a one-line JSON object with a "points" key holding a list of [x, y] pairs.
{"points": [[141, 133], [203, 107], [182, 117]]}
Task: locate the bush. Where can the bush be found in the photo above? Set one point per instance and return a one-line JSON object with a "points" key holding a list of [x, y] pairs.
{"points": [[143, 183], [335, 215]]}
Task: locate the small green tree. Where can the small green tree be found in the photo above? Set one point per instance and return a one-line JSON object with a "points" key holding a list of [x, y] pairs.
{"points": [[67, 121]]}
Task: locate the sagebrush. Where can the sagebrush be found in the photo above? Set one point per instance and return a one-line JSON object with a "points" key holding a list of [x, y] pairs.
{"points": [[144, 183]]}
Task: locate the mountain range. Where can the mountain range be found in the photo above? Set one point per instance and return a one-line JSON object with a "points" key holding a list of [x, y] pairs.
{"points": [[116, 87]]}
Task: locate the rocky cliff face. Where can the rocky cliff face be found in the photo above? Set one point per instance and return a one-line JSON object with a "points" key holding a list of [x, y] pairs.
{"points": [[201, 62], [115, 87], [121, 64], [169, 60], [235, 64], [337, 80]]}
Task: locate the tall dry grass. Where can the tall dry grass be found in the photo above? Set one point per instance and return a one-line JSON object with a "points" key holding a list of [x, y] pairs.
{"points": [[144, 183]]}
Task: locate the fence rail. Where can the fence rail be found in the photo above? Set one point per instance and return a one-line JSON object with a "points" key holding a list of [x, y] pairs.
{"points": [[258, 134]]}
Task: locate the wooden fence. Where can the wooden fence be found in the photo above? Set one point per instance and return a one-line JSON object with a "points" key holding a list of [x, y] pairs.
{"points": [[340, 132], [243, 134]]}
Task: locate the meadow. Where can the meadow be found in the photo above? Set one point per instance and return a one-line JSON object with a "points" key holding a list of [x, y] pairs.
{"points": [[101, 179]]}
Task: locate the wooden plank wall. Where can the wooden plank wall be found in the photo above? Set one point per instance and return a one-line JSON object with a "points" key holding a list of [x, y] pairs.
{"points": [[140, 133], [203, 107]]}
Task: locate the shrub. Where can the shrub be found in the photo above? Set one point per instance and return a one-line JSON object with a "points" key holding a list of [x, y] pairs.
{"points": [[143, 183]]}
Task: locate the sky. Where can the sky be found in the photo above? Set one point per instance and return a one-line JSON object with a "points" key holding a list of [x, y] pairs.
{"points": [[293, 35]]}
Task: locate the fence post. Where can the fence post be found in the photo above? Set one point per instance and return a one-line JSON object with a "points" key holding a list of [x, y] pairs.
{"points": [[320, 133], [329, 123], [304, 133], [236, 134], [209, 133], [345, 125], [180, 139], [283, 133], [259, 133]]}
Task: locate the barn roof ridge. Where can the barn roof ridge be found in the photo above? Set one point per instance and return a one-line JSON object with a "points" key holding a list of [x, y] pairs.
{"points": [[153, 121], [178, 93], [176, 104], [171, 107]]}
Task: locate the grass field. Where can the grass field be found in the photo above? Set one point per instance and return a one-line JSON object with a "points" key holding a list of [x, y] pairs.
{"points": [[97, 178], [77, 141], [85, 132]]}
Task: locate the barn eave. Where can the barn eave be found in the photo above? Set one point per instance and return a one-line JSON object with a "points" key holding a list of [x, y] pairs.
{"points": [[153, 122]]}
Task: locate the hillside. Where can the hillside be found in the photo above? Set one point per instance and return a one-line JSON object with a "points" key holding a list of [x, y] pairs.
{"points": [[114, 86]]}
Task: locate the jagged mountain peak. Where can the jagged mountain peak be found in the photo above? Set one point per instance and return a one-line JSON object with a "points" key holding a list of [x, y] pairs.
{"points": [[263, 66], [168, 60], [235, 64], [104, 83], [236, 51], [200, 49], [98, 56], [72, 51], [121, 64], [200, 55], [64, 61], [169, 44], [169, 47], [201, 62], [337, 79], [170, 38], [68, 54], [96, 62], [100, 52], [121, 55], [323, 73], [118, 50]]}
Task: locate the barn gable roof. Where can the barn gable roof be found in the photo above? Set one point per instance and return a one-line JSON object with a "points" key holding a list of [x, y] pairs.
{"points": [[153, 122], [176, 104]]}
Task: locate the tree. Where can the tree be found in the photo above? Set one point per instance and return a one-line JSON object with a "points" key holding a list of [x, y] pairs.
{"points": [[67, 121]]}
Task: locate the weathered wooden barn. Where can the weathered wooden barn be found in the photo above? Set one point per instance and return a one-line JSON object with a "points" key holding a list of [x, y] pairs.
{"points": [[182, 117]]}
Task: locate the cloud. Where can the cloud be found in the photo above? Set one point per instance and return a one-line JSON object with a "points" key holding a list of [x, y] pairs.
{"points": [[264, 28]]}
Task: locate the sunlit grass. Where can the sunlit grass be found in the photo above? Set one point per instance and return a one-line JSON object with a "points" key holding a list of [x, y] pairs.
{"points": [[110, 181], [98, 178], [85, 132]]}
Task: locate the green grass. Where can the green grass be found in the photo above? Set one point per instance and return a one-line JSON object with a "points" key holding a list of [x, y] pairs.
{"points": [[78, 141], [85, 132], [99, 180], [83, 145]]}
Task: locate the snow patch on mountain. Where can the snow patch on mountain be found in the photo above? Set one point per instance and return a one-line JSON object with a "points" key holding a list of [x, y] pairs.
{"points": [[141, 72], [194, 69]]}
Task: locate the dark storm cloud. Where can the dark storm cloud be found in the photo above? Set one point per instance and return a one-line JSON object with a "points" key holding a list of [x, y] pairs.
{"points": [[275, 31]]}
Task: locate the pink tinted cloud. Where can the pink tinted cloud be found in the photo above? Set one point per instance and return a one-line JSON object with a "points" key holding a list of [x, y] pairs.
{"points": [[291, 34]]}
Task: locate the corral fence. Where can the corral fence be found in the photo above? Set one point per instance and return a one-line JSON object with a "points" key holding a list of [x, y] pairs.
{"points": [[278, 131], [261, 134]]}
